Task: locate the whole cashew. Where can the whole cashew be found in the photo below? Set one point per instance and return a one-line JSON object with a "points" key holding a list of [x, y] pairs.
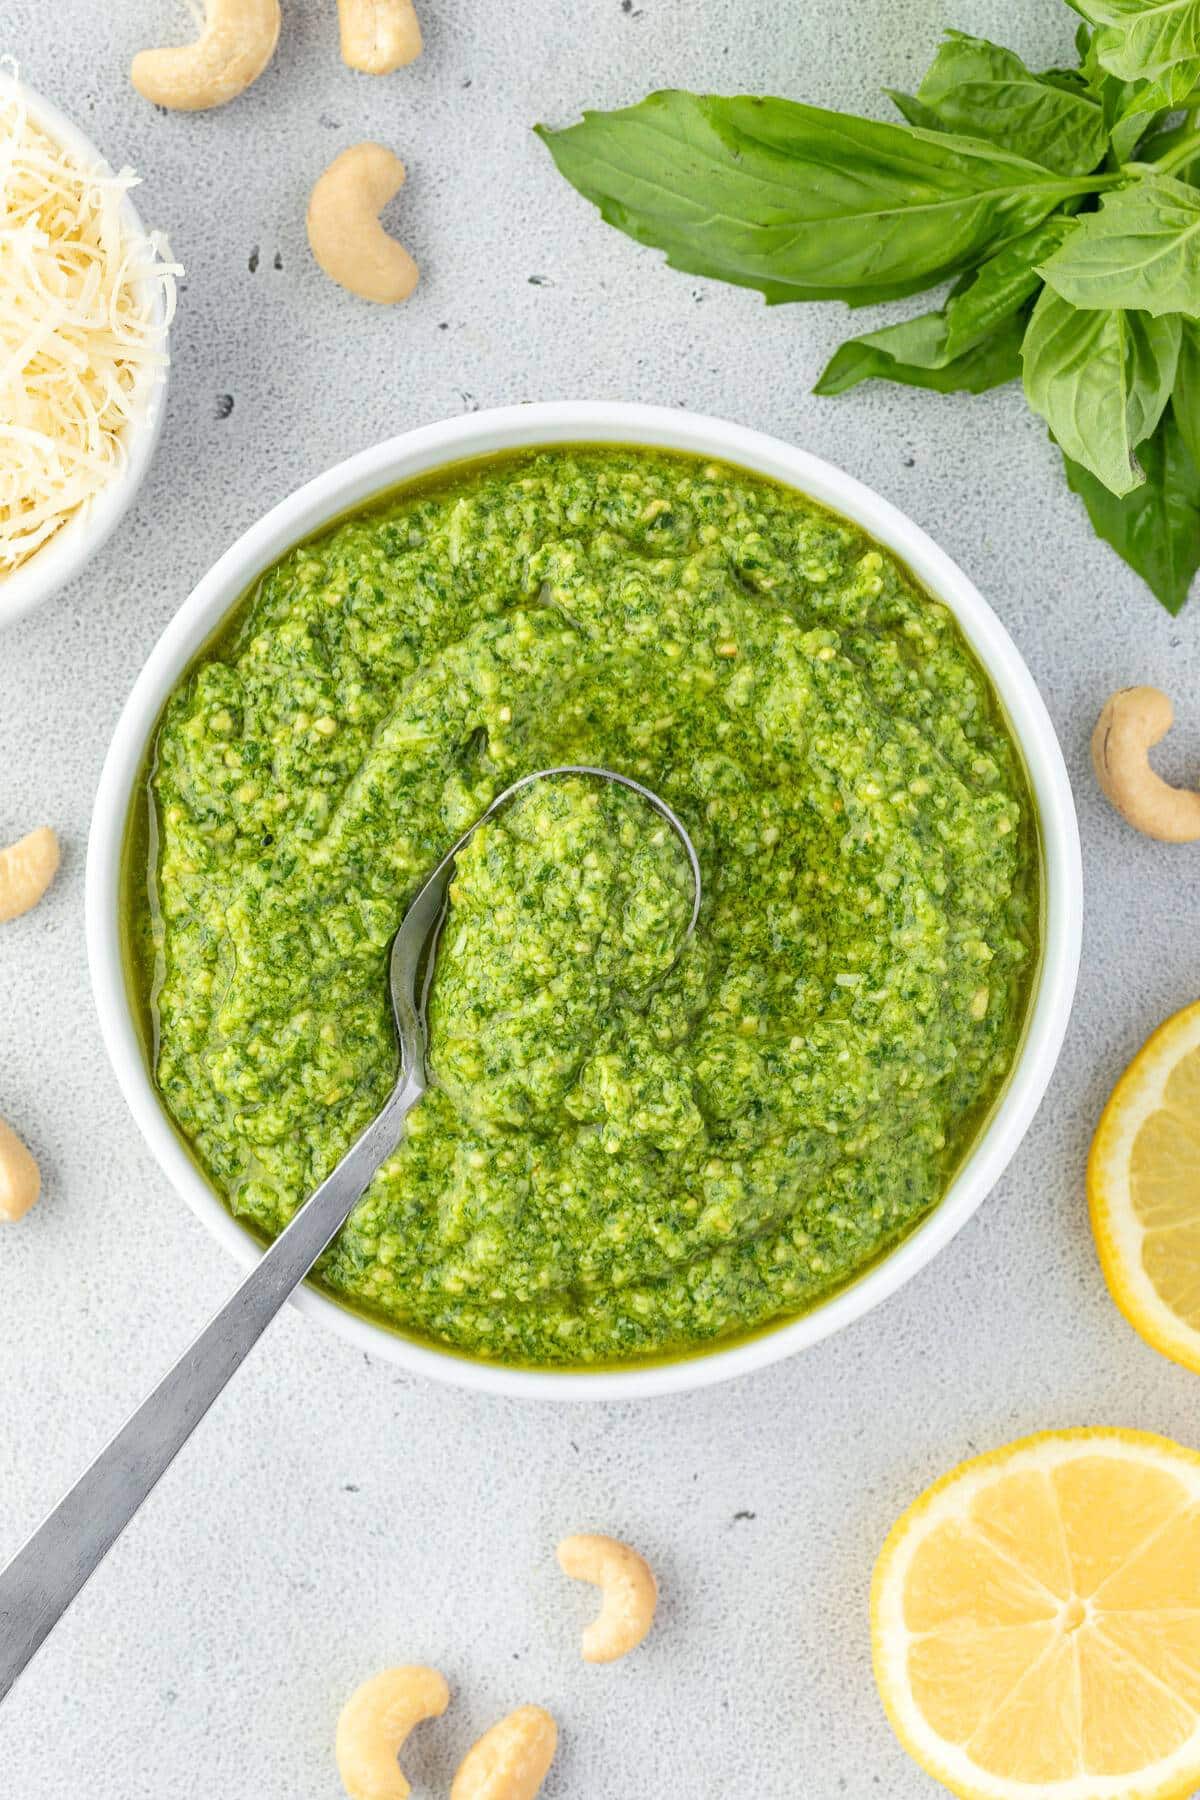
{"points": [[20, 1177], [26, 870], [1131, 722], [511, 1760], [379, 35], [344, 230], [630, 1592], [237, 43], [374, 1723]]}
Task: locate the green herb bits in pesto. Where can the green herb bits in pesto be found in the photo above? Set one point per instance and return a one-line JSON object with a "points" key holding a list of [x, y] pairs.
{"points": [[636, 1142], [565, 910]]}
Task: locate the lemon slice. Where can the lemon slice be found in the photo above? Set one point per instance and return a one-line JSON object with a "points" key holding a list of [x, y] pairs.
{"points": [[1036, 1621], [1144, 1190]]}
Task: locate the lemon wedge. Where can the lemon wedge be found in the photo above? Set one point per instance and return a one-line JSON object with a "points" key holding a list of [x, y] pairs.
{"points": [[1036, 1621], [1144, 1190]]}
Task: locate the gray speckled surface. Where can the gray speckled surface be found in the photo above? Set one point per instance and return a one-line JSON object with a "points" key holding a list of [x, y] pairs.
{"points": [[332, 1515]]}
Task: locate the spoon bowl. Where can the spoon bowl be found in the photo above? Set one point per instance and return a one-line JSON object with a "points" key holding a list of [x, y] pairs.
{"points": [[414, 947]]}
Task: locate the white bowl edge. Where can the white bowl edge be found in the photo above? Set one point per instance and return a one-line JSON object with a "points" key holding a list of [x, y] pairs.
{"points": [[68, 552], [417, 452]]}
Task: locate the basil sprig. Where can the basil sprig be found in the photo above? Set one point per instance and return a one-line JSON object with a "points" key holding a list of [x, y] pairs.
{"points": [[1063, 206]]}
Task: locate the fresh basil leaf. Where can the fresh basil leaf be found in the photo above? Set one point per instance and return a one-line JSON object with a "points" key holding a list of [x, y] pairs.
{"points": [[999, 287], [1131, 109], [914, 353], [1101, 381], [1156, 528], [1146, 39], [979, 89], [918, 343], [914, 110], [1141, 251], [972, 344], [1072, 81], [1185, 396], [1162, 143], [801, 203]]}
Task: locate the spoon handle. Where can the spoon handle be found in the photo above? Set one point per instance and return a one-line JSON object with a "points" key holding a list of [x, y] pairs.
{"points": [[45, 1575]]}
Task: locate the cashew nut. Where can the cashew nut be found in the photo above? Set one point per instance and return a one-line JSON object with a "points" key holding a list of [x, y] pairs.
{"points": [[379, 35], [374, 1723], [1132, 721], [20, 1178], [237, 43], [26, 870], [630, 1592], [344, 230], [511, 1760]]}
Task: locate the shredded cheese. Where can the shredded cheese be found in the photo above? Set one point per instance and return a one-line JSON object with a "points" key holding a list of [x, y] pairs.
{"points": [[83, 308]]}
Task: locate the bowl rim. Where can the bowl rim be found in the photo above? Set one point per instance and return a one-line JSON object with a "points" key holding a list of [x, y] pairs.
{"points": [[413, 453], [64, 555]]}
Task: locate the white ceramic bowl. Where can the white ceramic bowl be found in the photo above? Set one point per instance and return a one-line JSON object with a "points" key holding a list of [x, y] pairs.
{"points": [[65, 554], [417, 452]]}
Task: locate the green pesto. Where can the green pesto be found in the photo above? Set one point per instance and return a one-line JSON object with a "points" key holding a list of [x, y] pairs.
{"points": [[636, 1143], [566, 911]]}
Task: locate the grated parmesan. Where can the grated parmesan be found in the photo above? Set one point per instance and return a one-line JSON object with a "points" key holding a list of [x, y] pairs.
{"points": [[84, 305]]}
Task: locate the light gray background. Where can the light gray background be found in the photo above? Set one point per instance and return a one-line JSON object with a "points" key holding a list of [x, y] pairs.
{"points": [[333, 1516]]}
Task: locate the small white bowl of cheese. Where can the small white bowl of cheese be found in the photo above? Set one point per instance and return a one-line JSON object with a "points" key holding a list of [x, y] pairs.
{"points": [[85, 311]]}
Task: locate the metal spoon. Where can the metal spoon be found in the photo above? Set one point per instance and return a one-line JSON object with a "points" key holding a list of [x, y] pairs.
{"points": [[45, 1575]]}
